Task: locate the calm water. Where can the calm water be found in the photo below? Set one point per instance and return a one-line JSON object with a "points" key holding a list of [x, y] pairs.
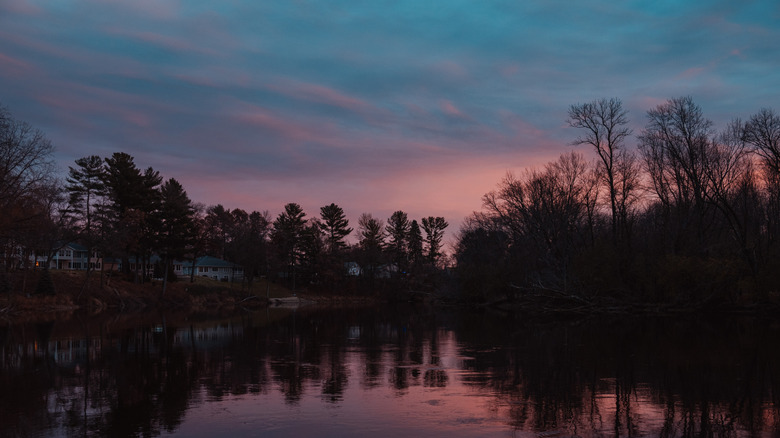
{"points": [[389, 372]]}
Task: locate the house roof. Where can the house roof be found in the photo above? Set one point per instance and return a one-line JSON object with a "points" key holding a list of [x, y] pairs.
{"points": [[213, 262], [75, 246]]}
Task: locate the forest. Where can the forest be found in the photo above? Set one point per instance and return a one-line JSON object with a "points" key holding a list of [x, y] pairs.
{"points": [[118, 210], [688, 216]]}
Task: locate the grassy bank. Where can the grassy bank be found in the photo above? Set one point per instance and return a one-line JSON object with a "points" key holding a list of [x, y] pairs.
{"points": [[25, 293]]}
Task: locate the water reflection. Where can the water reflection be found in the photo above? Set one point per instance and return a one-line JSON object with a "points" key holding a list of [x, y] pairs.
{"points": [[386, 372]]}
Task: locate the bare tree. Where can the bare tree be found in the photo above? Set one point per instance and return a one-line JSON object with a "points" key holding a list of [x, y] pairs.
{"points": [[604, 124], [729, 171], [676, 147], [762, 133], [25, 164], [544, 214]]}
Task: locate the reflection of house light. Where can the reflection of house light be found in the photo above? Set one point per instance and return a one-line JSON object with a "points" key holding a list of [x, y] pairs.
{"points": [[37, 264]]}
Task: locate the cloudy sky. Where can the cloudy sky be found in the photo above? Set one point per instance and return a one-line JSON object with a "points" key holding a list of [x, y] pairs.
{"points": [[377, 106]]}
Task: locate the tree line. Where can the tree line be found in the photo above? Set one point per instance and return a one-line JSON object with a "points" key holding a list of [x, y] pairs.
{"points": [[691, 216], [126, 213], [688, 215]]}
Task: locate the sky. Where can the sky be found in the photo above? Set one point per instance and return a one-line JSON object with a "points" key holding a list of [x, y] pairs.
{"points": [[376, 106]]}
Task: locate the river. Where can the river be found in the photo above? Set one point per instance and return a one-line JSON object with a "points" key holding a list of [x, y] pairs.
{"points": [[388, 372]]}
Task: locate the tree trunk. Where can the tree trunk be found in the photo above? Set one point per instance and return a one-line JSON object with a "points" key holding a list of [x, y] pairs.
{"points": [[165, 278]]}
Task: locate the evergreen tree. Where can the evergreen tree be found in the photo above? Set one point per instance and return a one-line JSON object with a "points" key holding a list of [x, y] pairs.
{"points": [[434, 232], [335, 226], [287, 236], [398, 228], [86, 188], [372, 242], [133, 197], [249, 244], [415, 243], [175, 219], [218, 229]]}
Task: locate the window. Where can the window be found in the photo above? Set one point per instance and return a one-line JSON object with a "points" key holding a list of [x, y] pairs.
{"points": [[200, 269], [214, 269], [76, 265]]}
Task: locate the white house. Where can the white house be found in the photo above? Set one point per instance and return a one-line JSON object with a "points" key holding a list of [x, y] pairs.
{"points": [[71, 257], [210, 267]]}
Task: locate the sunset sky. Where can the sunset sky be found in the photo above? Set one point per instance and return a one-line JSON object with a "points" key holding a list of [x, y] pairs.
{"points": [[421, 106]]}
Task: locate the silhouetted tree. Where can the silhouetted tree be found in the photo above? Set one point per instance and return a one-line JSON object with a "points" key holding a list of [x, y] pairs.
{"points": [[604, 122], [176, 232], [398, 228], [415, 244], [434, 232], [250, 242], [288, 230], [762, 133], [25, 165], [86, 189], [372, 242], [218, 225], [335, 226], [133, 197], [676, 148], [545, 215]]}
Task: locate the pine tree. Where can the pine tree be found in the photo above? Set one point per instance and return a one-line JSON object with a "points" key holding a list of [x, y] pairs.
{"points": [[398, 228], [335, 226], [133, 198], [415, 244], [86, 189], [287, 236], [175, 219], [434, 232]]}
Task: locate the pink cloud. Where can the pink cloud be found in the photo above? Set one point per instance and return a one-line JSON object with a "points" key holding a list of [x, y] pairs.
{"points": [[82, 105], [286, 128], [14, 63], [450, 109], [320, 94], [646, 103]]}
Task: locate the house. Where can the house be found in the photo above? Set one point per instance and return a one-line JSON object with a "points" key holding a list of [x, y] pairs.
{"points": [[71, 257], [211, 267], [205, 266], [382, 271]]}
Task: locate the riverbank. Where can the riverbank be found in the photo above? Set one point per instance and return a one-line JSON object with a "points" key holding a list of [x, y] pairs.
{"points": [[23, 301], [70, 292]]}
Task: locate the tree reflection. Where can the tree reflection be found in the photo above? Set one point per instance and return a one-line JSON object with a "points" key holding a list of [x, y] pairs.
{"points": [[665, 377]]}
